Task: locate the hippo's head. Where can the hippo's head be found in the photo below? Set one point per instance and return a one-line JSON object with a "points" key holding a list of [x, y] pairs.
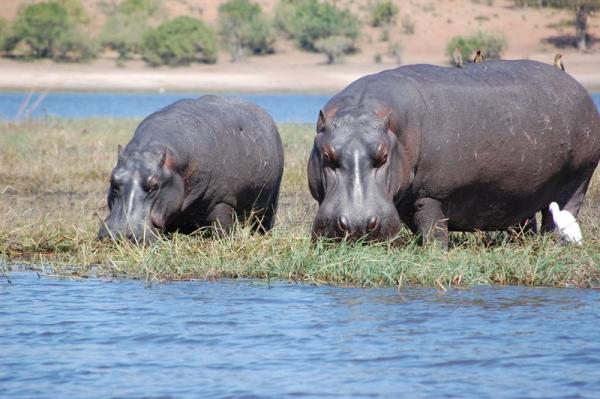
{"points": [[145, 194], [354, 172]]}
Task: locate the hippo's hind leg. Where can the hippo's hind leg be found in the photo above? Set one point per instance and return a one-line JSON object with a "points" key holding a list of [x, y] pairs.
{"points": [[570, 200], [431, 222], [221, 218], [266, 219]]}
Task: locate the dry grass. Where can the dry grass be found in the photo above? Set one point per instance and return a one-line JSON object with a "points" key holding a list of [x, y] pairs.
{"points": [[53, 180]]}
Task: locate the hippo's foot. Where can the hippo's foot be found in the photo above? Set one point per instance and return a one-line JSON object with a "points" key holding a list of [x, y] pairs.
{"points": [[431, 222]]}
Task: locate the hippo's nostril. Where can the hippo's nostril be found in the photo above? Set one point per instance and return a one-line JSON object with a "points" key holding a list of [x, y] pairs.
{"points": [[343, 223], [373, 223]]}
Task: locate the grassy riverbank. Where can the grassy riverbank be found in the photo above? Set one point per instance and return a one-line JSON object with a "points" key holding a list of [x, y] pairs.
{"points": [[52, 197]]}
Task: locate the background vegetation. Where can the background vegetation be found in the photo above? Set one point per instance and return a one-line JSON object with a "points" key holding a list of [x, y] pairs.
{"points": [[54, 198], [180, 41], [244, 29], [491, 44], [56, 29]]}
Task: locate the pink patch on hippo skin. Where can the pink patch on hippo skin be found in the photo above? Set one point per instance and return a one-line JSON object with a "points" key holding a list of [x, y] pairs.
{"points": [[168, 160]]}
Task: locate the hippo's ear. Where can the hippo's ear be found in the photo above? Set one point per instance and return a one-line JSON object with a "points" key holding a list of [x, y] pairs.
{"points": [[321, 122], [119, 149], [167, 159], [325, 117]]}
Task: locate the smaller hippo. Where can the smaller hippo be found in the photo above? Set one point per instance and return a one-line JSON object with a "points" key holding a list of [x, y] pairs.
{"points": [[196, 163]]}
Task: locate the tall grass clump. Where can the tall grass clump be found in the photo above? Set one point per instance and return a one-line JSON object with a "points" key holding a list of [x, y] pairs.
{"points": [[307, 21], [180, 41], [126, 23], [491, 44], [50, 30], [244, 29]]}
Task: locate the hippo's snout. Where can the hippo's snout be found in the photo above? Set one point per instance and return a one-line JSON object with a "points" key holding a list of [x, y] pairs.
{"points": [[363, 227], [138, 235], [353, 226]]}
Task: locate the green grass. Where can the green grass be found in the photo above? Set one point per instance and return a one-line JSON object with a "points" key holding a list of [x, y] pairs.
{"points": [[53, 180]]}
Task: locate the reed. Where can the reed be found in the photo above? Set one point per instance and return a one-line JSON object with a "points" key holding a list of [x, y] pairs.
{"points": [[54, 178]]}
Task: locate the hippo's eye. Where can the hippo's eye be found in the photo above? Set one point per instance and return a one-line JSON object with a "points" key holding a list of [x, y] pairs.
{"points": [[381, 156], [152, 184], [329, 156]]}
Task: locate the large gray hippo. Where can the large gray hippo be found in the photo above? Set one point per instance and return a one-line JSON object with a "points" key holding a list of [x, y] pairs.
{"points": [[196, 163], [477, 148]]}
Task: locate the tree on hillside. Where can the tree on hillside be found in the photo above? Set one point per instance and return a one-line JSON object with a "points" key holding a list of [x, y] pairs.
{"points": [[244, 28], [582, 9]]}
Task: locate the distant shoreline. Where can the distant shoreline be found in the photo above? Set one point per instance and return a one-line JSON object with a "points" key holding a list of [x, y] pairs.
{"points": [[256, 76]]}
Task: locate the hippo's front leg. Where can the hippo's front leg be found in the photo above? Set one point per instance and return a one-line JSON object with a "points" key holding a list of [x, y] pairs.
{"points": [[431, 222], [222, 218]]}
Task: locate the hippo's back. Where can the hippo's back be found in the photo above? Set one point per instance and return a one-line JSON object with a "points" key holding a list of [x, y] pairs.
{"points": [[210, 113]]}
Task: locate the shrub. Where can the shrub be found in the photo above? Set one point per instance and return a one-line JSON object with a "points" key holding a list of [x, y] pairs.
{"points": [[147, 8], [126, 23], [49, 32], [41, 26], [395, 49], [284, 14], [383, 13], [408, 25], [75, 47], [492, 45], [75, 10], [244, 28], [3, 32], [312, 20], [178, 42], [334, 47]]}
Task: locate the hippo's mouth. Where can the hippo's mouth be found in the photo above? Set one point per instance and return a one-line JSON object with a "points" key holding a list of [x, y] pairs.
{"points": [[333, 232]]}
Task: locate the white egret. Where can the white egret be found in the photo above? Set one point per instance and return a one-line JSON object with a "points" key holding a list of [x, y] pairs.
{"points": [[566, 224]]}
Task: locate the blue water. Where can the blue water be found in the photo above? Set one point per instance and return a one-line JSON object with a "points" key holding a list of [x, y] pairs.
{"points": [[101, 339], [282, 107]]}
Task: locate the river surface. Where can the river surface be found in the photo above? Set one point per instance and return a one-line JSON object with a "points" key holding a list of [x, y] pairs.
{"points": [[302, 108], [99, 338], [282, 107]]}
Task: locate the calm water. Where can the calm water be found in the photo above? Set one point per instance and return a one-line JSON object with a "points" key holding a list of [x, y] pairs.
{"points": [[282, 107], [98, 338]]}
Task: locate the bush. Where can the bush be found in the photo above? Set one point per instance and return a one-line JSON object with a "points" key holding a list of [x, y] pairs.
{"points": [[383, 13], [334, 47], [284, 14], [3, 32], [146, 8], [312, 20], [491, 44], [41, 26], [408, 25], [49, 32], [244, 29], [75, 47], [75, 10], [126, 23], [178, 42]]}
